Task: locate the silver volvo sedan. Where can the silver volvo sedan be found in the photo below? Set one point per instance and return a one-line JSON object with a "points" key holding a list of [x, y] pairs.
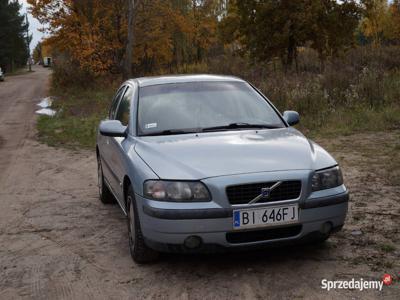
{"points": [[205, 163]]}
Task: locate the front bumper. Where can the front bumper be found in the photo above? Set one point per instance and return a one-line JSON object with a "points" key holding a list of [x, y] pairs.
{"points": [[166, 229]]}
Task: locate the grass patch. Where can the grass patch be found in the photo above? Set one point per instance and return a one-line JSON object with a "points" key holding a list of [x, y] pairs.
{"points": [[79, 113], [71, 132], [387, 248], [353, 120]]}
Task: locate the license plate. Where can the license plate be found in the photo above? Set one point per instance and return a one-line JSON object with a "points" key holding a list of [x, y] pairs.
{"points": [[266, 216]]}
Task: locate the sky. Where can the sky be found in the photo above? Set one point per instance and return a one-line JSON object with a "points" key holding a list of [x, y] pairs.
{"points": [[34, 25]]}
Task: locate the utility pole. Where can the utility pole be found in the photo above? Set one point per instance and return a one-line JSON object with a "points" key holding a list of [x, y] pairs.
{"points": [[28, 42]]}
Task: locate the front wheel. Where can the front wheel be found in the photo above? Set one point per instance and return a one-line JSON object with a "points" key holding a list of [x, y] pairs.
{"points": [[139, 251]]}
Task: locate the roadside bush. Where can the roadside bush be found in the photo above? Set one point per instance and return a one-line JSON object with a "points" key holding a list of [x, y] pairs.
{"points": [[65, 74]]}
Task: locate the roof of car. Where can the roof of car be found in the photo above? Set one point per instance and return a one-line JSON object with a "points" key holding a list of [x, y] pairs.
{"points": [[146, 81]]}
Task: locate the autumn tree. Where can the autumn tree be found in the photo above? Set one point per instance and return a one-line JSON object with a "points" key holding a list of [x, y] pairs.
{"points": [[393, 28], [376, 20], [156, 24], [91, 32], [204, 25], [163, 34], [171, 33]]}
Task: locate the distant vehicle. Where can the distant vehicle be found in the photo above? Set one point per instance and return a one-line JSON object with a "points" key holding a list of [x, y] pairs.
{"points": [[1, 75], [47, 61], [201, 162]]}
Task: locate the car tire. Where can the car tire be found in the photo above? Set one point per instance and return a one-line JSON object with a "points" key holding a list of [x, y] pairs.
{"points": [[106, 197], [139, 251]]}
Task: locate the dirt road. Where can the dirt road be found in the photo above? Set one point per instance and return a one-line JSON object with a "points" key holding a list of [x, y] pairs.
{"points": [[57, 241]]}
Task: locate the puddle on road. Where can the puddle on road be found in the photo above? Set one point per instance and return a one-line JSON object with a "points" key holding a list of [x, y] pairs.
{"points": [[46, 102], [45, 105], [46, 112]]}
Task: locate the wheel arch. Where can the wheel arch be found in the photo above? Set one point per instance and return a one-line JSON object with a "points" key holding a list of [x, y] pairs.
{"points": [[126, 183]]}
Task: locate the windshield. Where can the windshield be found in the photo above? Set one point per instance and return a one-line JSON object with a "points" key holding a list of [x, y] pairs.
{"points": [[198, 106]]}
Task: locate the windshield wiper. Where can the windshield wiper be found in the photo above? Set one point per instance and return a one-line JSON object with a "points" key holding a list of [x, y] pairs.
{"points": [[170, 132], [239, 125]]}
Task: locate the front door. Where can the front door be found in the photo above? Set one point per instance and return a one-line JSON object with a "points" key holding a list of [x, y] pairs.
{"points": [[118, 145], [105, 145]]}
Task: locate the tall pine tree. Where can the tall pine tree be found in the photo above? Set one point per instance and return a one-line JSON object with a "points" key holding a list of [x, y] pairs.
{"points": [[13, 40]]}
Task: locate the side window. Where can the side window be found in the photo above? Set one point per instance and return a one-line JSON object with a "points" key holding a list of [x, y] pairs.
{"points": [[115, 103], [123, 112]]}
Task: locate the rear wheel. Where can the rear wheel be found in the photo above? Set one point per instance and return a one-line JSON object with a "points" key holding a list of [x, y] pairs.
{"points": [[104, 193], [139, 251]]}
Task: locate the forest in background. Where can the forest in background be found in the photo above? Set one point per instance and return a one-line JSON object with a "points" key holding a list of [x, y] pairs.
{"points": [[336, 62], [14, 36]]}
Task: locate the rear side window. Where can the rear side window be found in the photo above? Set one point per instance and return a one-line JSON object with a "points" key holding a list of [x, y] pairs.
{"points": [[123, 111], [115, 103]]}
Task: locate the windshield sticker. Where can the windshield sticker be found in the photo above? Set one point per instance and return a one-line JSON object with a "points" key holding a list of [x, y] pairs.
{"points": [[150, 125]]}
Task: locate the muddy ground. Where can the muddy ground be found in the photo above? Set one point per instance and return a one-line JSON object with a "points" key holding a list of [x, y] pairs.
{"points": [[57, 241]]}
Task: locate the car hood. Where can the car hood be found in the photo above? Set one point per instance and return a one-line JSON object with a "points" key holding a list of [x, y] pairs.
{"points": [[203, 155]]}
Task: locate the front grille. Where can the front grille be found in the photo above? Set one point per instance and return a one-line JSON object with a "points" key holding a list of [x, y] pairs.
{"points": [[242, 194], [262, 235]]}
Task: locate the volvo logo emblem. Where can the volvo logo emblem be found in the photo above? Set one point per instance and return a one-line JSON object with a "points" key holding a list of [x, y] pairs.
{"points": [[266, 192]]}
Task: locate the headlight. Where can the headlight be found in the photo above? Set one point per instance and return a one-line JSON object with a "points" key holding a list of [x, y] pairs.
{"points": [[327, 178], [177, 191]]}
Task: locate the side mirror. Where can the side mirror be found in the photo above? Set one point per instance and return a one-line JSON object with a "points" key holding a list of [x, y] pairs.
{"points": [[112, 128], [291, 117]]}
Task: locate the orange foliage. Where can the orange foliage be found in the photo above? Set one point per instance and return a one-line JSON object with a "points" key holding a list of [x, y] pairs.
{"points": [[93, 32]]}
